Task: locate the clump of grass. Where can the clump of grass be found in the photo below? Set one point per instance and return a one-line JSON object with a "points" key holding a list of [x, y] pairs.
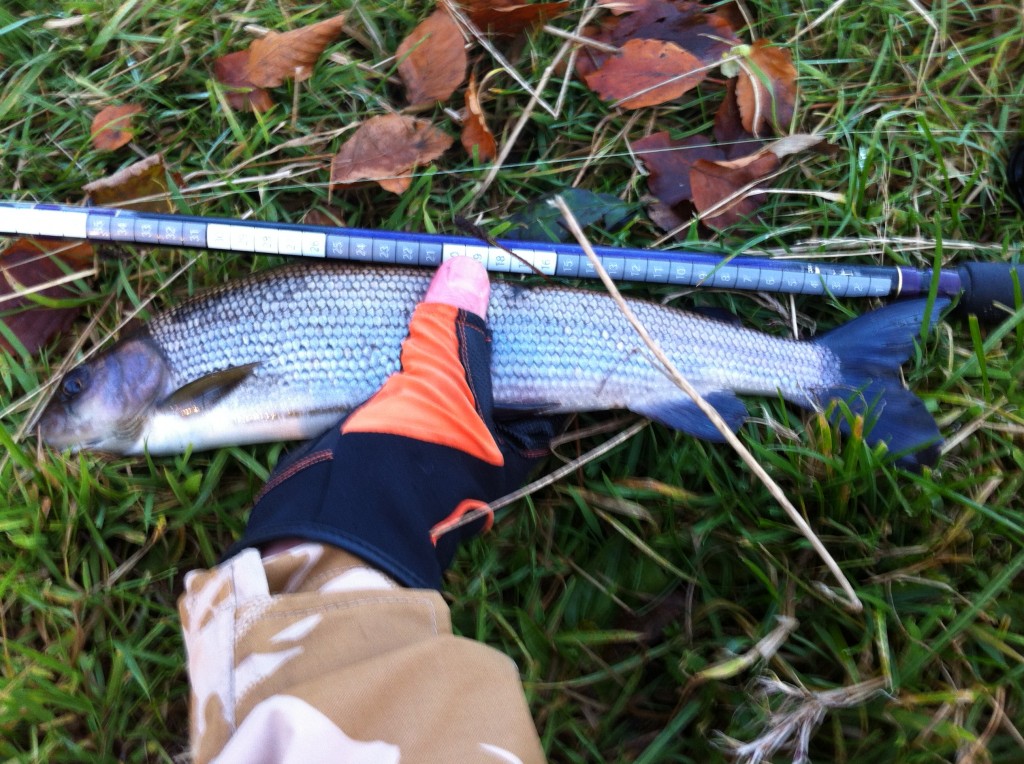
{"points": [[617, 588]]}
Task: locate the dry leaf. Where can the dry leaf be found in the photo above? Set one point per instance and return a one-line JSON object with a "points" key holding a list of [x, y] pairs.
{"points": [[290, 55], [704, 35], [142, 186], [385, 149], [793, 144], [691, 169], [646, 73], [232, 71], [689, 25], [766, 89], [713, 183], [27, 265], [668, 163], [671, 219], [618, 7], [475, 132], [112, 126], [781, 148], [432, 60], [728, 130], [510, 17]]}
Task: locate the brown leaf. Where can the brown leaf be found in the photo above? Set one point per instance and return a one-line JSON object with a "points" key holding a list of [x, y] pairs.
{"points": [[766, 89], [432, 60], [28, 265], [290, 55], [689, 25], [618, 7], [670, 218], [510, 17], [385, 149], [232, 71], [142, 186], [112, 126], [780, 148], [796, 143], [646, 73], [705, 35], [475, 132], [668, 163], [728, 130], [715, 182]]}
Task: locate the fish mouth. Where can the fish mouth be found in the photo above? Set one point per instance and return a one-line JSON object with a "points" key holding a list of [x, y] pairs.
{"points": [[61, 444], [53, 431], [99, 445]]}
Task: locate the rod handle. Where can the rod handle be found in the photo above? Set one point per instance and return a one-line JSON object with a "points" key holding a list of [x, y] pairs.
{"points": [[984, 285]]}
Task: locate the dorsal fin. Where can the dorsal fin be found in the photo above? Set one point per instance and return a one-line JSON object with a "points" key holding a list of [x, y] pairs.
{"points": [[200, 394]]}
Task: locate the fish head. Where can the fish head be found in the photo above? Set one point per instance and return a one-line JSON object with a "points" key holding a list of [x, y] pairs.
{"points": [[105, 403]]}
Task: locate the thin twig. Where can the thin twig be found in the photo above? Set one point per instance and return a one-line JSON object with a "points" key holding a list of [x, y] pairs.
{"points": [[588, 42]]}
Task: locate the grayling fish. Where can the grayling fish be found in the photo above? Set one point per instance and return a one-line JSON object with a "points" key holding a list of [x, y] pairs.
{"points": [[283, 354]]}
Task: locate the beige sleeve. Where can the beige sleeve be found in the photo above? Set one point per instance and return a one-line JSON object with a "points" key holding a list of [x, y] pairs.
{"points": [[309, 656]]}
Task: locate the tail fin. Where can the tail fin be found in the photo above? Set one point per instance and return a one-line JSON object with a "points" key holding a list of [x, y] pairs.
{"points": [[870, 350]]}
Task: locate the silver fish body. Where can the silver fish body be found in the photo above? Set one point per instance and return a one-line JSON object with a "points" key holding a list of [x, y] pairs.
{"points": [[285, 353]]}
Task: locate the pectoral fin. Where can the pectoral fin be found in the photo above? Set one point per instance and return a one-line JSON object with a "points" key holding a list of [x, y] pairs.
{"points": [[203, 393]]}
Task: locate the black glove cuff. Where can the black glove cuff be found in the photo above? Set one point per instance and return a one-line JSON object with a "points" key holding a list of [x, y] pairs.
{"points": [[378, 497]]}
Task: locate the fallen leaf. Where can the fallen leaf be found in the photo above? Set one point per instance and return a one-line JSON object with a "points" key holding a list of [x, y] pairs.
{"points": [[794, 144], [510, 17], [278, 57], [713, 183], [668, 162], [618, 7], [766, 88], [141, 186], [669, 218], [703, 34], [692, 169], [385, 149], [432, 59], [28, 265], [781, 148], [476, 135], [689, 25], [232, 71], [729, 131], [112, 126], [646, 73]]}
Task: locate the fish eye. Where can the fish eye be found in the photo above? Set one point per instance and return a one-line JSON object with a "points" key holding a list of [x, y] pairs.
{"points": [[75, 382]]}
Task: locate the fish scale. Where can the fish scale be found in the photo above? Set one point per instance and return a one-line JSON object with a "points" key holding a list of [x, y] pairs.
{"points": [[309, 342]]}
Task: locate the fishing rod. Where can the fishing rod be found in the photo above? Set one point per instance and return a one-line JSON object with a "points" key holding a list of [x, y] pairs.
{"points": [[981, 286]]}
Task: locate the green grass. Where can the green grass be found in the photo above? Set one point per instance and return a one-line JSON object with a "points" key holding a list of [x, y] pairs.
{"points": [[611, 617]]}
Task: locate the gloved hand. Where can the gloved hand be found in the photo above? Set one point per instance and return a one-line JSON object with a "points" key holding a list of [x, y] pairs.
{"points": [[421, 453]]}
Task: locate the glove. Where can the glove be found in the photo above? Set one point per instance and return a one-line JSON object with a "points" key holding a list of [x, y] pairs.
{"points": [[402, 469]]}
